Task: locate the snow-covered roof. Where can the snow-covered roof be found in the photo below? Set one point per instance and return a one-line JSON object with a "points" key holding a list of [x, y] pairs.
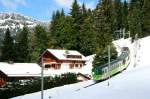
{"points": [[61, 54], [20, 69]]}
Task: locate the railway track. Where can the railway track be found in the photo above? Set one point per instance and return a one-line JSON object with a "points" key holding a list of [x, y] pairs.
{"points": [[88, 85], [91, 84]]}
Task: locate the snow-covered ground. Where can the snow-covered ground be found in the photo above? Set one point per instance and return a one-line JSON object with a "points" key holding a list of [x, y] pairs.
{"points": [[132, 83]]}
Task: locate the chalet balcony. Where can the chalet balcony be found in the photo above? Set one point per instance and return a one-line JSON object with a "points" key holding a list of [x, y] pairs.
{"points": [[48, 60]]}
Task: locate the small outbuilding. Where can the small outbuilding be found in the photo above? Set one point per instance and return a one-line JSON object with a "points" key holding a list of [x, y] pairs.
{"points": [[18, 71]]}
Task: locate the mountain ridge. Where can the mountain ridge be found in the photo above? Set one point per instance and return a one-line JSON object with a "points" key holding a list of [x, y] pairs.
{"points": [[14, 20]]}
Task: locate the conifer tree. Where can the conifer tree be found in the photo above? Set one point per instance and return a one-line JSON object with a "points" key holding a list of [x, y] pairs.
{"points": [[103, 23], [87, 33], [117, 15], [62, 12], [66, 36], [103, 27], [39, 43], [7, 47], [76, 11], [135, 18], [63, 37], [76, 14], [55, 29], [84, 11], [88, 37], [23, 46], [125, 13], [41, 38], [145, 17]]}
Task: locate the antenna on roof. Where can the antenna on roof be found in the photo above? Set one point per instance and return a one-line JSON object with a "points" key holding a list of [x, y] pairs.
{"points": [[10, 62], [66, 52]]}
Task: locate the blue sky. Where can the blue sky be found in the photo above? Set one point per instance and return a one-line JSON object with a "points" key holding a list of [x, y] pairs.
{"points": [[40, 9]]}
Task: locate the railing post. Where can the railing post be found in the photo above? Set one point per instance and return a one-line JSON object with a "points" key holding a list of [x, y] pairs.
{"points": [[42, 79]]}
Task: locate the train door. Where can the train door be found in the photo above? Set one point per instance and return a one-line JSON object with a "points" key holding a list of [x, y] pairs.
{"points": [[105, 71], [124, 61], [120, 65]]}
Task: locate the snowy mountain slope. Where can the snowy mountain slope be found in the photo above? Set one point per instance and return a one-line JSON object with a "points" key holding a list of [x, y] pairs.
{"points": [[15, 20], [132, 83]]}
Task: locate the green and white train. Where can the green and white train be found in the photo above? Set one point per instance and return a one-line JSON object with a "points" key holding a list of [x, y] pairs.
{"points": [[104, 71]]}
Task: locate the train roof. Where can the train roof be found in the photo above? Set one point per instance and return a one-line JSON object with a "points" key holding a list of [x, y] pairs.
{"points": [[121, 57]]}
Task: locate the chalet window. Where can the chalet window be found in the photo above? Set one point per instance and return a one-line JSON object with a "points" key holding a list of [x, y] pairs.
{"points": [[74, 56], [53, 66], [76, 65], [56, 66], [81, 65], [2, 82], [71, 66], [47, 66]]}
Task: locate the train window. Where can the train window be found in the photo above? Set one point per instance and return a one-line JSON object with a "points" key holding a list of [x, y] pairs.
{"points": [[112, 66], [105, 70], [124, 61], [97, 71], [100, 72], [115, 65]]}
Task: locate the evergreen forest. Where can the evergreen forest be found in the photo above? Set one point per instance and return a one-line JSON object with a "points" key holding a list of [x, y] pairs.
{"points": [[88, 31]]}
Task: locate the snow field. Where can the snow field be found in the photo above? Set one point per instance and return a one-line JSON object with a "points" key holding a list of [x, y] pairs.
{"points": [[132, 83]]}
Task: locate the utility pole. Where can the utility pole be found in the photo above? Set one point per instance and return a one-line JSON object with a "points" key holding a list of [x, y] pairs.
{"points": [[135, 48], [123, 32], [128, 33], [42, 79], [108, 63]]}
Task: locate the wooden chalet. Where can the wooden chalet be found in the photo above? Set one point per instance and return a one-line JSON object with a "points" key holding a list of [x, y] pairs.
{"points": [[62, 59]]}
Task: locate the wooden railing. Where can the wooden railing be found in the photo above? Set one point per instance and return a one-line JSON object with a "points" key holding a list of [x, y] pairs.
{"points": [[48, 60]]}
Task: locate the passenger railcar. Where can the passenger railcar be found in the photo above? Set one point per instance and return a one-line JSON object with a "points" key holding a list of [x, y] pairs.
{"points": [[104, 71]]}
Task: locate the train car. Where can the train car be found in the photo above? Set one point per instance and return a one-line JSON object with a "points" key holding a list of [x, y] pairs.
{"points": [[104, 71]]}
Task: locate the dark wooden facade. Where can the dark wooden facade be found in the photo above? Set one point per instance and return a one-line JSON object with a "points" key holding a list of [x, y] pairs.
{"points": [[3, 79], [51, 61]]}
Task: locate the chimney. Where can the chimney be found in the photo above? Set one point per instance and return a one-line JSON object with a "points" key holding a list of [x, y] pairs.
{"points": [[10, 62]]}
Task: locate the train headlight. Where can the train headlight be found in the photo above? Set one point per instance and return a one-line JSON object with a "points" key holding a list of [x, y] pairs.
{"points": [[92, 72]]}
